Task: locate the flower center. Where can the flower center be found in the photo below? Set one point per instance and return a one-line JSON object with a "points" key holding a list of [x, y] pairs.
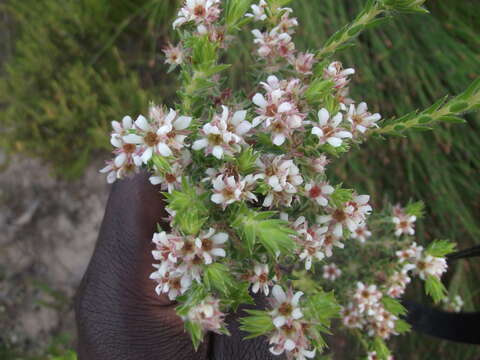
{"points": [[170, 178], [285, 309], [315, 191], [129, 148], [339, 215], [215, 139], [200, 11], [207, 244], [271, 110], [151, 139]]}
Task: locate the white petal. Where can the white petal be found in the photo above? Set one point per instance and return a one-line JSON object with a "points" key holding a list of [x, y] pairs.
{"points": [[361, 108], [296, 298], [256, 287], [297, 314], [238, 117], [133, 139], [171, 115], [182, 122], [116, 127], [147, 155], [284, 107], [289, 345], [317, 131], [164, 150], [259, 100], [116, 141], [243, 128], [120, 159], [217, 198], [279, 294], [200, 144], [142, 123], [217, 152], [323, 116], [279, 321], [127, 122], [220, 238], [278, 139], [344, 134], [337, 119], [218, 252], [155, 180], [334, 141]]}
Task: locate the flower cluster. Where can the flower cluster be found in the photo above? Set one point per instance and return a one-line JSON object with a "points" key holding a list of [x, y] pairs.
{"points": [[290, 335], [182, 259], [367, 312], [252, 208]]}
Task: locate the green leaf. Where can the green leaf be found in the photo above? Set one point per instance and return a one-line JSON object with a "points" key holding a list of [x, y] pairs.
{"points": [[191, 211], [416, 209], [195, 331], [273, 234], [394, 306], [340, 196], [459, 107], [401, 326], [435, 288], [217, 276], [246, 161], [235, 12], [452, 119], [322, 307], [381, 348], [440, 248], [318, 89], [257, 324]]}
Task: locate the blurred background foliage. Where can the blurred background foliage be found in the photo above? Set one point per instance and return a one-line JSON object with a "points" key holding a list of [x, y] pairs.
{"points": [[75, 65]]}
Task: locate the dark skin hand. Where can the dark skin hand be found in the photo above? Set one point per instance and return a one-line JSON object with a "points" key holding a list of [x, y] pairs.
{"points": [[118, 314]]}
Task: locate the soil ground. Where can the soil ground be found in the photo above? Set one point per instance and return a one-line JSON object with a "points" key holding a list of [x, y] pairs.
{"points": [[48, 231]]}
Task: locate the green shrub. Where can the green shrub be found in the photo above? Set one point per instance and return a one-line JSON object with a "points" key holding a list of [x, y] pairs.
{"points": [[76, 65]]}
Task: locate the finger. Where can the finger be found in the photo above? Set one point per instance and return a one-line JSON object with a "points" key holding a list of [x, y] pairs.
{"points": [[119, 316]]}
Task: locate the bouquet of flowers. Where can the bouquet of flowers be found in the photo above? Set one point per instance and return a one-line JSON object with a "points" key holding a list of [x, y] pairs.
{"points": [[245, 178]]}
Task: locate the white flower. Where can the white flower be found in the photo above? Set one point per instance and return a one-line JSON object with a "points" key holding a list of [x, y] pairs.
{"points": [[331, 272], [361, 233], [404, 225], [311, 250], [174, 55], [352, 215], [208, 315], [303, 63], [159, 135], [260, 280], [367, 298], [283, 178], [319, 192], [169, 180], [285, 306], [361, 119], [224, 134], [279, 115], [274, 43], [454, 304], [202, 12], [328, 130], [167, 246], [319, 164], [171, 283], [430, 265], [335, 72], [258, 11], [210, 245]]}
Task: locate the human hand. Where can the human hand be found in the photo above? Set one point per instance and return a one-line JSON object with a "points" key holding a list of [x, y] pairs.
{"points": [[119, 316]]}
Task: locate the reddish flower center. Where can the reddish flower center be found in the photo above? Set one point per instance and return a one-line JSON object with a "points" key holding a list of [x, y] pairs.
{"points": [[315, 191], [151, 139]]}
